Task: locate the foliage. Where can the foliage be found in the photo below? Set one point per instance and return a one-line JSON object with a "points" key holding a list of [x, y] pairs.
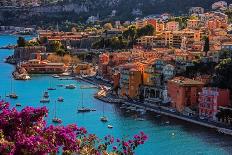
{"points": [[112, 43], [21, 42], [26, 133], [223, 78], [206, 45], [131, 33], [225, 54], [147, 30]]}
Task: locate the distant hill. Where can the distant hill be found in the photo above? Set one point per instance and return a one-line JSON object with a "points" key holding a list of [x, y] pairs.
{"points": [[80, 10]]}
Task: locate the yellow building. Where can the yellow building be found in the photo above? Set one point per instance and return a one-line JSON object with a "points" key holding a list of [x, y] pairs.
{"points": [[190, 35], [141, 23], [83, 69], [160, 27], [193, 23]]}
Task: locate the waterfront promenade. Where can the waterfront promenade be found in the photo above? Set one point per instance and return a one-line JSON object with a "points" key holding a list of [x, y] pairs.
{"points": [[160, 109]]}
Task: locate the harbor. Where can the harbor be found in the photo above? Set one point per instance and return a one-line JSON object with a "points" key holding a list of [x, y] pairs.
{"points": [[163, 132]]}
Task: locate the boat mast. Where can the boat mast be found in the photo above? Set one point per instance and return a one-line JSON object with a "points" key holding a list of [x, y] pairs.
{"points": [[82, 99], [55, 110], [103, 109]]}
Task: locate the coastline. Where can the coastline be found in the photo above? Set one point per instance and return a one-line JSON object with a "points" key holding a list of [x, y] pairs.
{"points": [[161, 110]]}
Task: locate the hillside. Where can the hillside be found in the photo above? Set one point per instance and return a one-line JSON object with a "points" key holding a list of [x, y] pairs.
{"points": [[80, 10]]}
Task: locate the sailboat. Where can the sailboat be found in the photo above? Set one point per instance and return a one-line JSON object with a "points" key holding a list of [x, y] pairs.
{"points": [[12, 95], [56, 119], [104, 118], [46, 95], [45, 99], [83, 109], [50, 86]]}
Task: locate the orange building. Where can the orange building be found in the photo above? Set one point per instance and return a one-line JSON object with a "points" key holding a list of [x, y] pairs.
{"points": [[184, 93], [130, 80]]}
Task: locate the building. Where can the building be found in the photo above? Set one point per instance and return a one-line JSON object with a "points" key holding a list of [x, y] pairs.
{"points": [[190, 35], [196, 10], [172, 26], [36, 66], [140, 23], [152, 22], [184, 93], [227, 46], [168, 72], [130, 80], [83, 69], [209, 101], [221, 5], [25, 53], [160, 27], [193, 24]]}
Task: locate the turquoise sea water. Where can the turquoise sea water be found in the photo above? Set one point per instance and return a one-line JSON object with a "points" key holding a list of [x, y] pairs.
{"points": [[189, 139]]}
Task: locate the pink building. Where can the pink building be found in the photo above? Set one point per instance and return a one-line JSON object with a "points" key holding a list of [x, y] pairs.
{"points": [[210, 99], [172, 26]]}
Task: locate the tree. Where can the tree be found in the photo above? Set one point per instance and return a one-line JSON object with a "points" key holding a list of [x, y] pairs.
{"points": [[130, 34], [21, 42], [108, 26], [55, 46], [147, 30], [223, 72], [206, 45]]}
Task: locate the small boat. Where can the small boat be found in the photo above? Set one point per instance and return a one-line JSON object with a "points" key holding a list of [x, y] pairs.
{"points": [[60, 85], [50, 88], [56, 119], [93, 109], [88, 87], [65, 74], [167, 122], [71, 86], [13, 96], [60, 99], [44, 100], [104, 119], [55, 76], [46, 95], [140, 119], [84, 110], [27, 77], [18, 105], [110, 126]]}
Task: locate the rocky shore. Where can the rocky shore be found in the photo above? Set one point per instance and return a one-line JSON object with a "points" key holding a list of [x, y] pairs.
{"points": [[20, 74]]}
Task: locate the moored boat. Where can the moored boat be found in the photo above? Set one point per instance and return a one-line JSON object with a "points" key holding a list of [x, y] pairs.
{"points": [[104, 119], [60, 99], [18, 105], [44, 100], [13, 96], [70, 86], [56, 119], [110, 126], [46, 95], [55, 76]]}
